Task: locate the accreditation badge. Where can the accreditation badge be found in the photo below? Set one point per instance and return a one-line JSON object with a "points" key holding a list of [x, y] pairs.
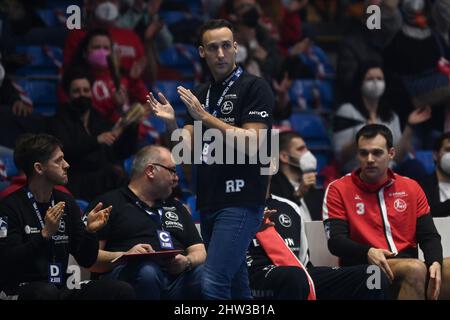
{"points": [[165, 240], [55, 273]]}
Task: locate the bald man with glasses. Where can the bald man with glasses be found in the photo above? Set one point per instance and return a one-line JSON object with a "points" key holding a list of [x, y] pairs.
{"points": [[145, 219]]}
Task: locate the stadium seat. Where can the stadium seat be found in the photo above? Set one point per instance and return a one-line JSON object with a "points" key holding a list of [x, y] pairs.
{"points": [[44, 60], [319, 63], [309, 125], [192, 204], [169, 89], [426, 158], [184, 58], [62, 4], [127, 164], [7, 164], [311, 94], [52, 17], [171, 17], [42, 93]]}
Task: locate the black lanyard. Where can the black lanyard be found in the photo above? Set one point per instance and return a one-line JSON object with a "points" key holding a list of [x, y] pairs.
{"points": [[36, 208], [155, 217], [231, 80], [51, 246]]}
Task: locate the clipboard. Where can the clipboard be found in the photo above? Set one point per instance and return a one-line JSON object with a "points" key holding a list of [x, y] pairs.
{"points": [[157, 255]]}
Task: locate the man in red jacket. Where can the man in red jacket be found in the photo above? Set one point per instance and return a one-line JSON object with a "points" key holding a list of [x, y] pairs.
{"points": [[374, 215]]}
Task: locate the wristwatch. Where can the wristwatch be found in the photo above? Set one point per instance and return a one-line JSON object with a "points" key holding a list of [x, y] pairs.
{"points": [[189, 264]]}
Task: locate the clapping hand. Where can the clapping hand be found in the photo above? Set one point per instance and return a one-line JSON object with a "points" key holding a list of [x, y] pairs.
{"points": [[163, 109], [98, 217], [52, 219], [193, 106]]}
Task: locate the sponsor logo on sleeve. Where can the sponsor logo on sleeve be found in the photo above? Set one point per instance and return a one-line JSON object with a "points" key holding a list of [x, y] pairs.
{"points": [[262, 114]]}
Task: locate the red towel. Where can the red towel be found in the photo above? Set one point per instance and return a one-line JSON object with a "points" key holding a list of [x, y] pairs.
{"points": [[281, 255]]}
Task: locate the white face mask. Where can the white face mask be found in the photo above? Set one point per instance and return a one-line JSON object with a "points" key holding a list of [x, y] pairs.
{"points": [[373, 89], [2, 74], [445, 163], [241, 54], [307, 162], [107, 11], [413, 5]]}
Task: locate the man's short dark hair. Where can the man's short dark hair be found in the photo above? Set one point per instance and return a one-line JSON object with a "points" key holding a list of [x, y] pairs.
{"points": [[285, 139], [74, 74], [211, 25], [439, 141], [32, 148], [372, 130]]}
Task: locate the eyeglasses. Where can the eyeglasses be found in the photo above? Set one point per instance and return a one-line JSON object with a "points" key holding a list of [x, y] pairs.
{"points": [[172, 170]]}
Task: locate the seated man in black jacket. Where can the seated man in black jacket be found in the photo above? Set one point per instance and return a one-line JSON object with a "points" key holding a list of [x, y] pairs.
{"points": [[94, 149], [296, 179], [437, 184], [280, 269], [376, 216], [40, 226], [143, 220]]}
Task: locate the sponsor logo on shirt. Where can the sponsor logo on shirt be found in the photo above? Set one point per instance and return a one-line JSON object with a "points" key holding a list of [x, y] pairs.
{"points": [[400, 194], [173, 224], [30, 230], [125, 51], [400, 205], [62, 226], [60, 239], [262, 114], [226, 107], [171, 216], [228, 119], [230, 96], [285, 220]]}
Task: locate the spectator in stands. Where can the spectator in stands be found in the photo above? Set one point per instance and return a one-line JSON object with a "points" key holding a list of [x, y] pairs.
{"points": [[95, 147], [103, 14], [144, 220], [368, 105], [297, 177], [361, 44], [40, 226], [112, 93], [17, 177], [10, 96], [142, 17], [279, 265], [437, 184], [283, 21], [441, 17], [376, 216], [413, 54], [261, 47]]}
